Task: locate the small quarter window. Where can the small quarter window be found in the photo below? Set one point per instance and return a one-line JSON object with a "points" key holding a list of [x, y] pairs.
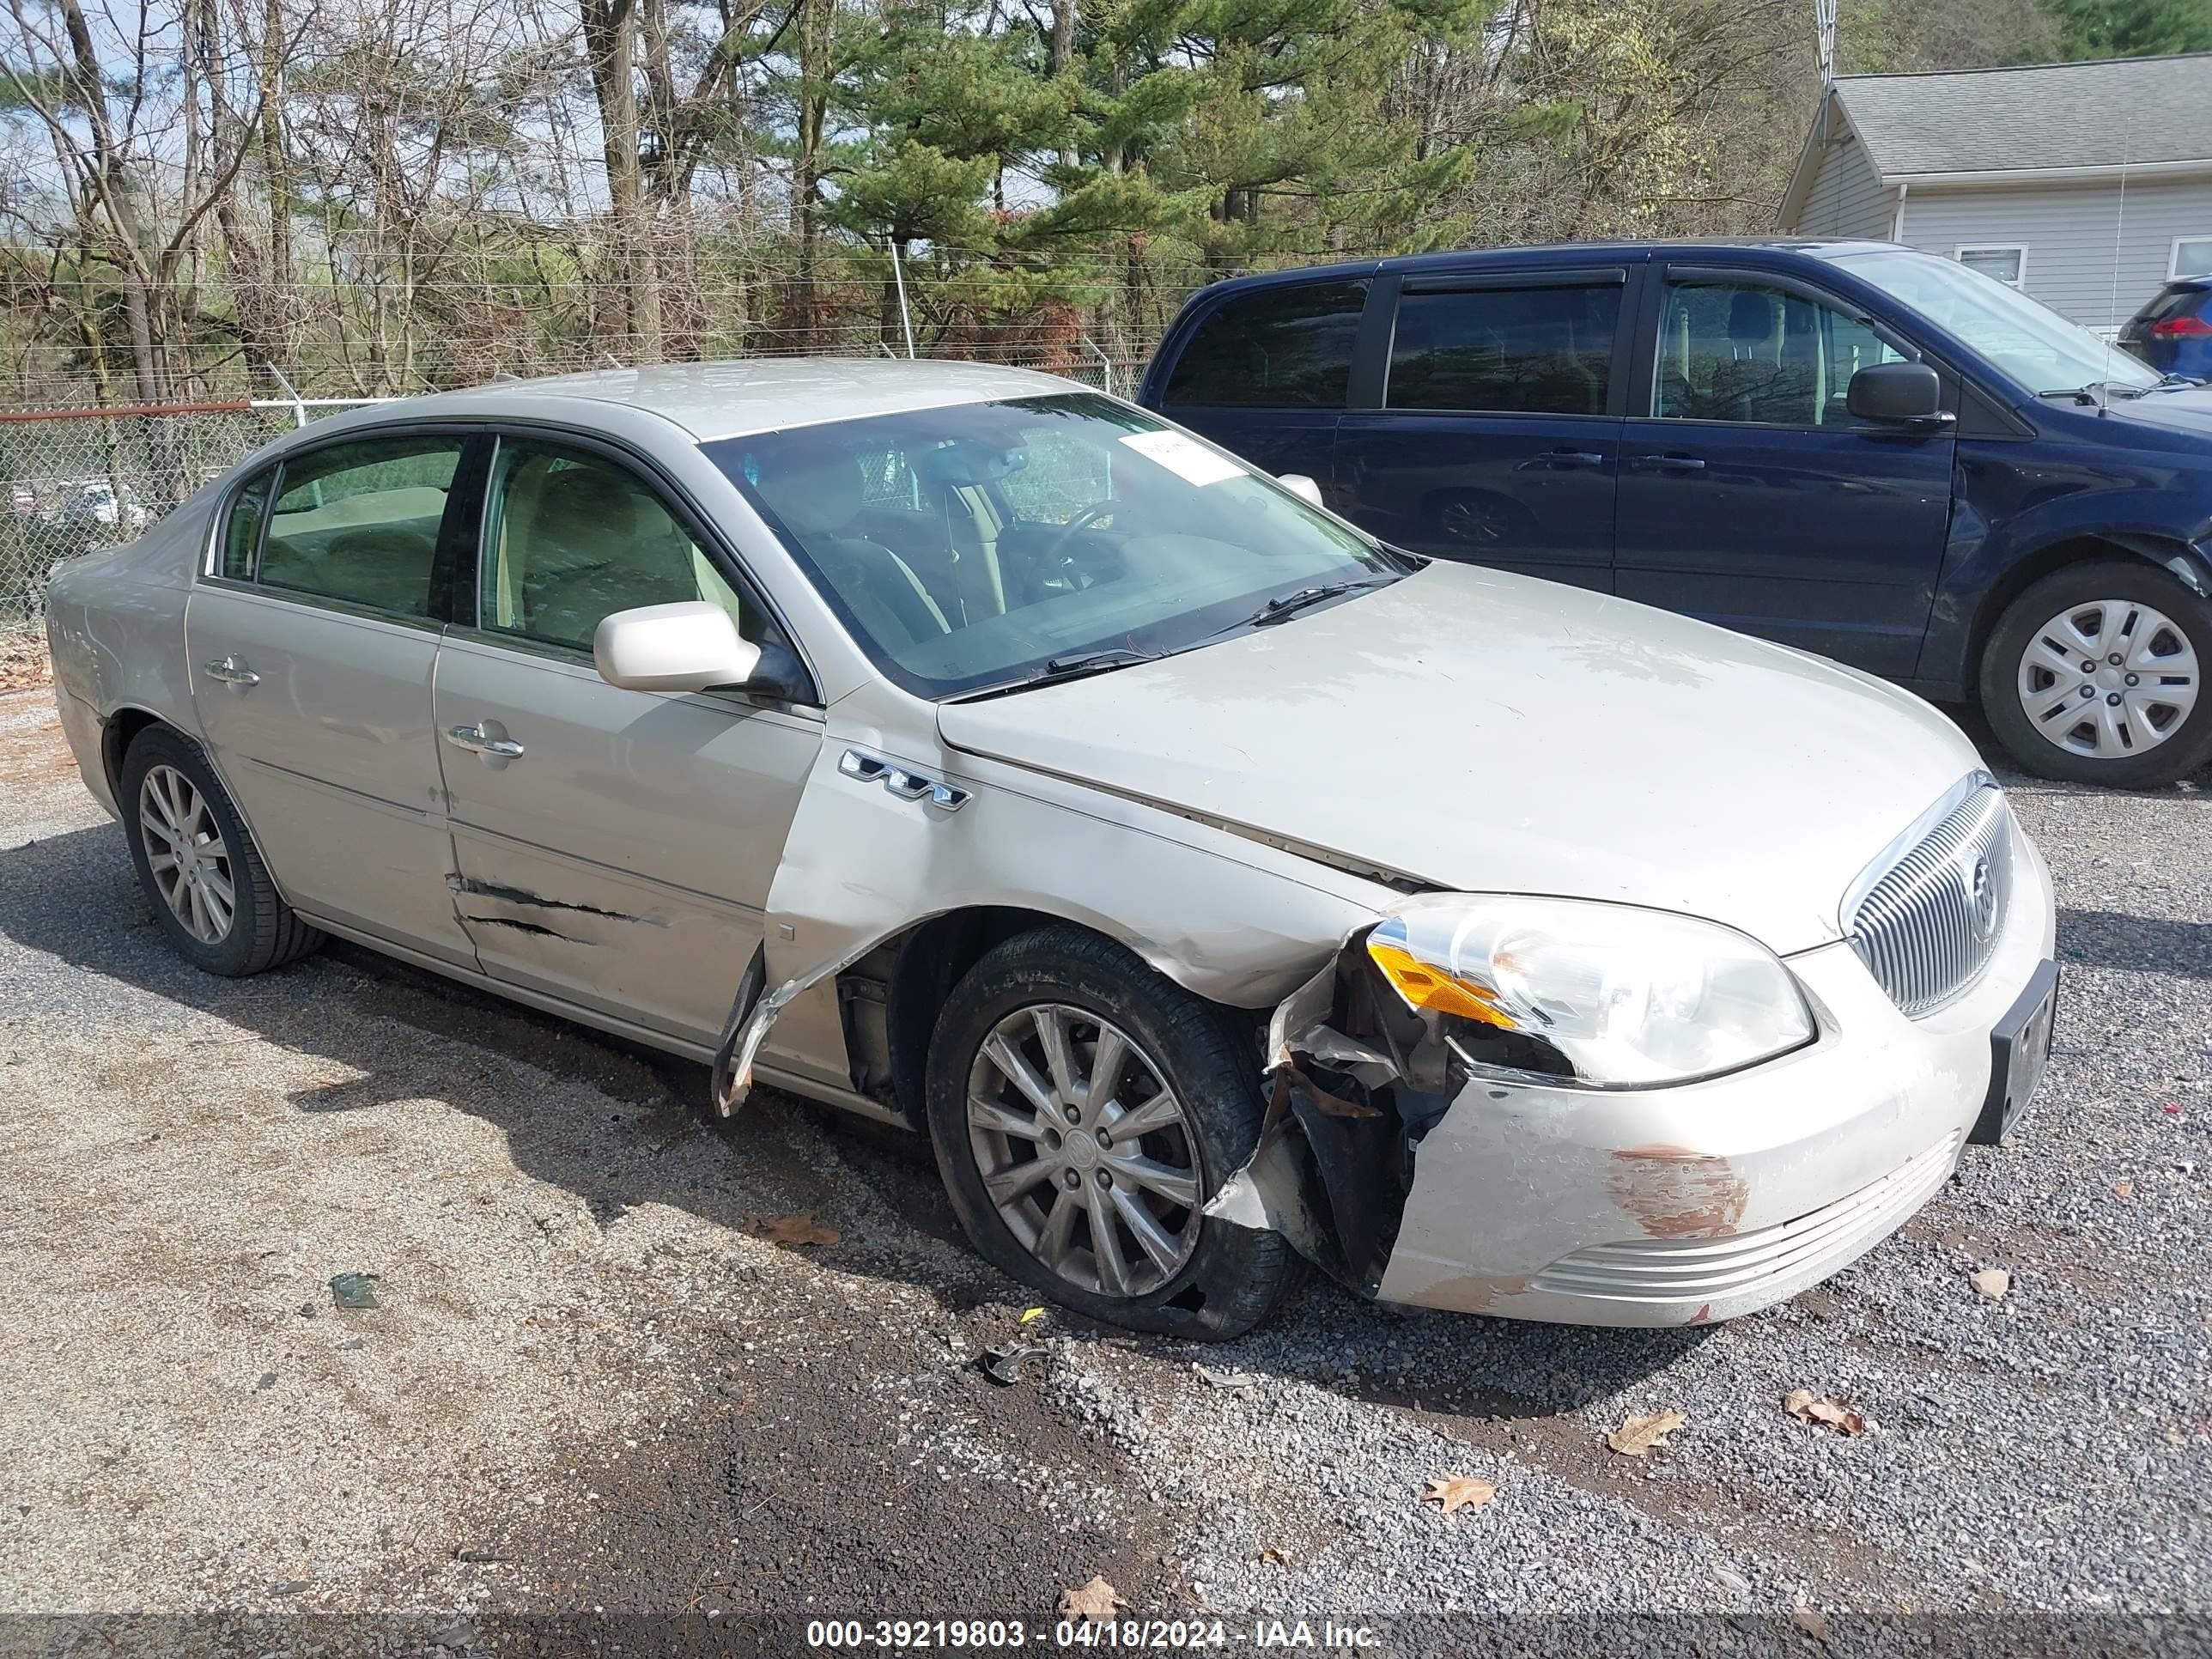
{"points": [[241, 530], [1273, 348], [359, 522]]}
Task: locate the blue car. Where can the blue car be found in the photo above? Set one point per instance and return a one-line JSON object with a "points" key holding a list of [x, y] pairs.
{"points": [[2174, 332], [1867, 453]]}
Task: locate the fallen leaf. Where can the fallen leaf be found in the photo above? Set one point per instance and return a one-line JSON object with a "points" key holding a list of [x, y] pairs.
{"points": [[2124, 1189], [794, 1230], [1809, 1408], [1811, 1621], [1094, 1603], [1990, 1284], [1638, 1435], [1458, 1491], [1274, 1557], [1028, 1314]]}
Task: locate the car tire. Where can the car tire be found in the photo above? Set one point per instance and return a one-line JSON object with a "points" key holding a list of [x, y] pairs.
{"points": [[168, 792], [1174, 1047], [2122, 608]]}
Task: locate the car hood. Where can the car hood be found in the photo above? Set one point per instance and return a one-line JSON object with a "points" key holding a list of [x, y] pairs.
{"points": [[2187, 409], [1488, 732]]}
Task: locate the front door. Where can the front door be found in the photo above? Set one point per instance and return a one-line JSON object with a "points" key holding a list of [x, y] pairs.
{"points": [[613, 848], [311, 646], [1500, 437], [1751, 497]]}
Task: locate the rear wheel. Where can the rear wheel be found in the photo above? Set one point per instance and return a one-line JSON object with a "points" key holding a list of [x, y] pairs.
{"points": [[210, 891], [1084, 1109], [2095, 675]]}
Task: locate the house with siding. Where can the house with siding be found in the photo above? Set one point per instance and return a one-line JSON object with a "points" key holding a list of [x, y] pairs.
{"points": [[2086, 185]]}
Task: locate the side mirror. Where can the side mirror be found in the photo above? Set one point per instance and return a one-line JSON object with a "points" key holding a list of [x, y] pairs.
{"points": [[1894, 392], [1302, 487], [691, 646]]}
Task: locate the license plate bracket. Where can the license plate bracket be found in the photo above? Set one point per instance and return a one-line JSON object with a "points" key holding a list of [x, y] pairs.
{"points": [[2019, 1050]]}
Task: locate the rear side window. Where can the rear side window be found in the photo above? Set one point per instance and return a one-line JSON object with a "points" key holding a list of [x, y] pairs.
{"points": [[1276, 348], [241, 530], [1536, 350], [359, 522]]}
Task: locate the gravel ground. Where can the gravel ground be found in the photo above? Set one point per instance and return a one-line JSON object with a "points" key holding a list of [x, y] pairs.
{"points": [[592, 1392]]}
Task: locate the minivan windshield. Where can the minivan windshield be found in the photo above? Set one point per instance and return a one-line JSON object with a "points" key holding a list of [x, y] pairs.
{"points": [[2025, 337], [990, 544]]}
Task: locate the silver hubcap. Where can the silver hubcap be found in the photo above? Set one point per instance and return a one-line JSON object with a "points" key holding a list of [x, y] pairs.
{"points": [[1087, 1152], [185, 852], [2108, 679]]}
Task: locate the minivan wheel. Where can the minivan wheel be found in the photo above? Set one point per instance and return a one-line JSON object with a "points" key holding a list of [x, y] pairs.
{"points": [[198, 868], [2095, 675], [1084, 1109]]}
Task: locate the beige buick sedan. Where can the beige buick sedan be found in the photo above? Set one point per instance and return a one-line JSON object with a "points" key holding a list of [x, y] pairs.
{"points": [[1212, 883]]}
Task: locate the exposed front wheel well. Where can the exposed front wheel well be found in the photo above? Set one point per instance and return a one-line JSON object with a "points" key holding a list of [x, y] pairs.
{"points": [[918, 970]]}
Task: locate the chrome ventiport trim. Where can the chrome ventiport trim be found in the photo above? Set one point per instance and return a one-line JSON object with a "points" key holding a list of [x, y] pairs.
{"points": [[1925, 915], [905, 784]]}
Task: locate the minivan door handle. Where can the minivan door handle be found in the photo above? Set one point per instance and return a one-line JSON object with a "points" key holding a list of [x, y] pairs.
{"points": [[1669, 463], [1572, 457]]}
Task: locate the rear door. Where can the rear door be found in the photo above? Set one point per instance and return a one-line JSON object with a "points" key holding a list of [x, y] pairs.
{"points": [[611, 847], [312, 642], [1498, 438], [1265, 373], [1749, 494]]}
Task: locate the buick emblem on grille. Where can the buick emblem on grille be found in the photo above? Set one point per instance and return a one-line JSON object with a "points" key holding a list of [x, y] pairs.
{"points": [[1981, 899]]}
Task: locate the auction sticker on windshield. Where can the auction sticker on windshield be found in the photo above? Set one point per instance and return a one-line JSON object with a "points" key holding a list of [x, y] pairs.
{"points": [[1189, 459]]}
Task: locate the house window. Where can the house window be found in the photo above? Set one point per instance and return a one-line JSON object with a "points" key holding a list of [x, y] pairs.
{"points": [[2192, 257], [2007, 262]]}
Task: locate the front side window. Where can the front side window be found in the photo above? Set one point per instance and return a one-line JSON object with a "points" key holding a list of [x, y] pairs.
{"points": [[242, 530], [1539, 350], [1271, 348], [1033, 531], [1768, 356], [570, 538], [2024, 337], [2007, 265], [358, 522]]}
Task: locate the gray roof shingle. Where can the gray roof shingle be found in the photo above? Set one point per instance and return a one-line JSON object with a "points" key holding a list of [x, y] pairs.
{"points": [[2050, 115]]}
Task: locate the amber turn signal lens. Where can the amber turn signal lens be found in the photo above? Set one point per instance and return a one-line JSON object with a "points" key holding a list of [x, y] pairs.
{"points": [[1425, 987]]}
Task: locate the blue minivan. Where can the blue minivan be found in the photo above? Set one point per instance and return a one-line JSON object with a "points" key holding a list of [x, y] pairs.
{"points": [[1862, 451]]}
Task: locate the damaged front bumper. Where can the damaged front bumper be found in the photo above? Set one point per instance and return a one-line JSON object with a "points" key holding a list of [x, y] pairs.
{"points": [[1414, 1178]]}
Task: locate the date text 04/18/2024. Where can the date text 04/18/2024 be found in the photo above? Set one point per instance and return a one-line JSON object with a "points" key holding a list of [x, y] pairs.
{"points": [[1129, 1634]]}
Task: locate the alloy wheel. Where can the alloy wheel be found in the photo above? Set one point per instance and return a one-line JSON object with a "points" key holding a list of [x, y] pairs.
{"points": [[187, 853], [1085, 1151], [2108, 678]]}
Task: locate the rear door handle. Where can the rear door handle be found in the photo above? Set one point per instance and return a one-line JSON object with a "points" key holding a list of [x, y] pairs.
{"points": [[1669, 463], [477, 741], [231, 671]]}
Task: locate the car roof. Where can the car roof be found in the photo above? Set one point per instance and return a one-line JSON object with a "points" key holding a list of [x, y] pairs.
{"points": [[728, 399], [1537, 257]]}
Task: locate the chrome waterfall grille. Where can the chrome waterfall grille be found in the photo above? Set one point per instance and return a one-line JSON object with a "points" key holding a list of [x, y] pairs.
{"points": [[1926, 918]]}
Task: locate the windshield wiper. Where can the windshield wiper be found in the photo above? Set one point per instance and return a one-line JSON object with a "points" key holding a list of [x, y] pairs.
{"points": [[1287, 605], [1093, 662]]}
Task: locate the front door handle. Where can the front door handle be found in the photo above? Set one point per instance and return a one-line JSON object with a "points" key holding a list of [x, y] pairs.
{"points": [[477, 741], [1573, 458], [1670, 463], [231, 671]]}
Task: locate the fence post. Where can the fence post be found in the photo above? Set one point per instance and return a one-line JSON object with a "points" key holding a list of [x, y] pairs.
{"points": [[299, 405], [1105, 364]]}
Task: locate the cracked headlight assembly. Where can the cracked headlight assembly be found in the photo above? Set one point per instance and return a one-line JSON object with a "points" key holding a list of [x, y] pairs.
{"points": [[1608, 995]]}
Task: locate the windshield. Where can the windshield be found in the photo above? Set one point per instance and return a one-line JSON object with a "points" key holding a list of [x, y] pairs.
{"points": [[2025, 337], [974, 545]]}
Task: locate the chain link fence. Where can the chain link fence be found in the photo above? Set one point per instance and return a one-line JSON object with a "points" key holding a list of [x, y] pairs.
{"points": [[82, 479]]}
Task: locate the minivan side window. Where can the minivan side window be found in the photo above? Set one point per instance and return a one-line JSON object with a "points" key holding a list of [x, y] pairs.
{"points": [[1535, 350], [1770, 356], [1273, 348], [358, 522]]}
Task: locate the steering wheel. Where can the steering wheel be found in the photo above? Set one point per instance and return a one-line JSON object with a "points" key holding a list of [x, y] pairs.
{"points": [[1081, 522]]}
